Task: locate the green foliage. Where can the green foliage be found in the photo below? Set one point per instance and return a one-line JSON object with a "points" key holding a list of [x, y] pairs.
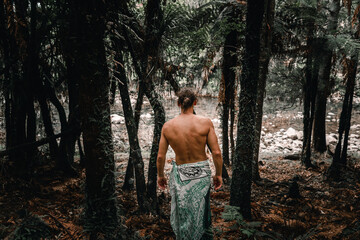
{"points": [[249, 229], [285, 80], [32, 227]]}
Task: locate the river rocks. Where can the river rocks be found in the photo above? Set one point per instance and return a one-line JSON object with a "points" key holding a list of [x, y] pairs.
{"points": [[117, 119], [330, 139], [292, 133]]}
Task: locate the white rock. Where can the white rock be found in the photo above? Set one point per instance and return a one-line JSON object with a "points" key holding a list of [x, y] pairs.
{"points": [[334, 135], [262, 133], [297, 143], [331, 114], [148, 115], [117, 119], [356, 126], [330, 139], [353, 136], [300, 135], [215, 120], [292, 133], [282, 130]]}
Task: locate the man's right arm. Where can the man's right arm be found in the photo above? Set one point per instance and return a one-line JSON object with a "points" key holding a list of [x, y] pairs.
{"points": [[160, 162], [212, 141]]}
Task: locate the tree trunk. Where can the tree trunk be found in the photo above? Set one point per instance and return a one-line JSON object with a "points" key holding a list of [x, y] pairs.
{"points": [[149, 65], [240, 190], [265, 55], [135, 158], [340, 155], [159, 115], [229, 75], [309, 95], [101, 213], [323, 90], [68, 43], [49, 130], [232, 122]]}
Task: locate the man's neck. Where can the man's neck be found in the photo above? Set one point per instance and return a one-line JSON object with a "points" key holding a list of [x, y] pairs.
{"points": [[188, 111]]}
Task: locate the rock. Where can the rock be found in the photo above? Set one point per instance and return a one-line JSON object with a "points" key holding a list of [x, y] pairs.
{"points": [[148, 115], [356, 126], [334, 135], [331, 114], [353, 136], [330, 139], [300, 135], [292, 133], [116, 119], [262, 133], [297, 143]]}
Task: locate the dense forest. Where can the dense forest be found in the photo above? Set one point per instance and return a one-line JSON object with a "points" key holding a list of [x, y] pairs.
{"points": [[86, 87]]}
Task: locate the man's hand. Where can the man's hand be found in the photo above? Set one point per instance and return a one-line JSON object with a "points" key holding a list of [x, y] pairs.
{"points": [[217, 182], [162, 182]]}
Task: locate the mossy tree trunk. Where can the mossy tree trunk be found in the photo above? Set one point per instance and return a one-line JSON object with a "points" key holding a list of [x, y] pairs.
{"points": [[101, 213], [240, 190], [149, 65], [265, 55]]}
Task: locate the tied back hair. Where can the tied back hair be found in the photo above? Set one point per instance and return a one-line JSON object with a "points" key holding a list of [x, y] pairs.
{"points": [[186, 98]]}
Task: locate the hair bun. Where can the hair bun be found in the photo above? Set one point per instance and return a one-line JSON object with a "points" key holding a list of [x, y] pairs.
{"points": [[187, 98]]}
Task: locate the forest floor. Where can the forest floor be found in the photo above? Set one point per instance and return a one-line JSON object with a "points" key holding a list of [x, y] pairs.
{"points": [[325, 210]]}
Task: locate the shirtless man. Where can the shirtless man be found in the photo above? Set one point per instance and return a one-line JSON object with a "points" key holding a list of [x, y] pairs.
{"points": [[188, 134]]}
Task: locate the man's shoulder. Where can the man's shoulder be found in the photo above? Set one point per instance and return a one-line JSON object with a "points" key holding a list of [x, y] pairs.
{"points": [[168, 124], [202, 118]]}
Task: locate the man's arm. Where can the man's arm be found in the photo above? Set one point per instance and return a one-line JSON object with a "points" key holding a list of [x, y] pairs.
{"points": [[216, 154], [160, 163]]}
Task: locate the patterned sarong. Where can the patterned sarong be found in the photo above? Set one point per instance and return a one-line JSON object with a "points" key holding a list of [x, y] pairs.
{"points": [[190, 200]]}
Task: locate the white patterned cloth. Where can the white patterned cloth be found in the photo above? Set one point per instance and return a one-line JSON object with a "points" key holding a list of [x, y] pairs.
{"points": [[190, 200]]}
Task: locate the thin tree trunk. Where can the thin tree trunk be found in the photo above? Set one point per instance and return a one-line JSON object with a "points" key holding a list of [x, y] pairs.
{"points": [[265, 55], [340, 155], [240, 190], [229, 75], [159, 115], [309, 95], [149, 65], [135, 158], [49, 130], [232, 122]]}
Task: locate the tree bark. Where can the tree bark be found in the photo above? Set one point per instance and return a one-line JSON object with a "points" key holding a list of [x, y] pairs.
{"points": [[229, 75], [149, 65], [135, 158], [309, 94], [101, 214], [319, 139], [240, 190], [340, 155], [265, 55]]}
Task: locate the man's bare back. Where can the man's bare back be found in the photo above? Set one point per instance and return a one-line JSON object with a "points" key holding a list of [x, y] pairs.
{"points": [[188, 135]]}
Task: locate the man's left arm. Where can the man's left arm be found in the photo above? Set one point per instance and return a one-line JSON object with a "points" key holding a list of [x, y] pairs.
{"points": [[160, 163]]}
